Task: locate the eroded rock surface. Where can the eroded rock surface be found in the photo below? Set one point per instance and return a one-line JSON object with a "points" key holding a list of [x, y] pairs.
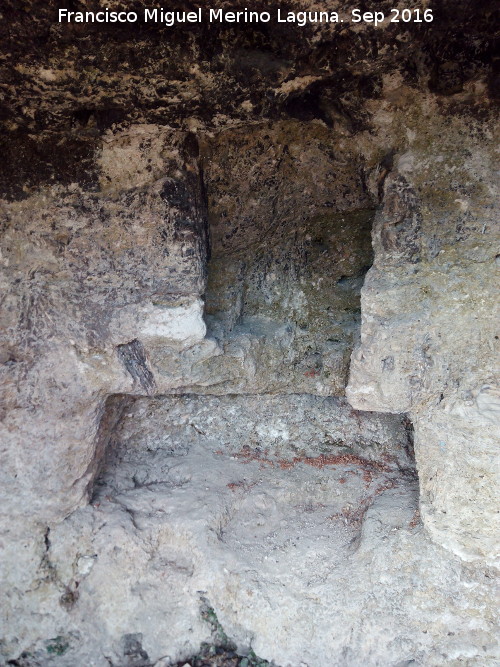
{"points": [[83, 275], [288, 285], [278, 532], [429, 336], [235, 220]]}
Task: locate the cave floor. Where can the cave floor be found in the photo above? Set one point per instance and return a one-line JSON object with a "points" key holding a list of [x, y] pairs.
{"points": [[310, 555]]}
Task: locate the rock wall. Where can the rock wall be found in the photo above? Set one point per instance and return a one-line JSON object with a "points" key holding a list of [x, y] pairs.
{"points": [[429, 336], [290, 244], [224, 255], [85, 275]]}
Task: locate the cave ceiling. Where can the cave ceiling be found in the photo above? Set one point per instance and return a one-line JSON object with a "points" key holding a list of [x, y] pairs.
{"points": [[64, 84]]}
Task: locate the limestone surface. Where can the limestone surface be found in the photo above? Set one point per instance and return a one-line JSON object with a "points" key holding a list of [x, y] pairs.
{"points": [[429, 336], [307, 554], [246, 274]]}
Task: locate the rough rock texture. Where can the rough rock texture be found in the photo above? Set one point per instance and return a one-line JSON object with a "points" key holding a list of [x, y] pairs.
{"points": [[307, 554], [429, 335], [85, 274], [194, 213], [287, 261], [65, 84]]}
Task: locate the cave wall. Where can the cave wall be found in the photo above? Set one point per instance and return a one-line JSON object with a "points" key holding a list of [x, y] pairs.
{"points": [[86, 274], [290, 222], [429, 336], [192, 216]]}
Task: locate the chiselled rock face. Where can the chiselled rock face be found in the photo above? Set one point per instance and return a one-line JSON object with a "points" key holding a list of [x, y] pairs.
{"points": [[249, 339], [287, 260]]}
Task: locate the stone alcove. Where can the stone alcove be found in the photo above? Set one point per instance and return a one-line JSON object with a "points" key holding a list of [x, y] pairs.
{"points": [[289, 246], [253, 456]]}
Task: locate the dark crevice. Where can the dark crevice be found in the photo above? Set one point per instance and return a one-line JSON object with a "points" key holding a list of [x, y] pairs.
{"points": [[133, 356]]}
